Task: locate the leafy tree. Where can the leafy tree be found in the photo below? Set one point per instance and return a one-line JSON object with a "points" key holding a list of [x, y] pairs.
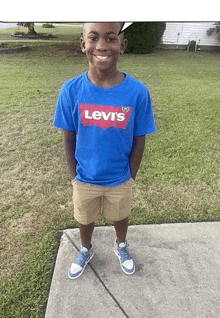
{"points": [[30, 26], [144, 37], [216, 29]]}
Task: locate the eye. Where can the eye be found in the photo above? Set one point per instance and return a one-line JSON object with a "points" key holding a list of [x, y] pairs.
{"points": [[112, 39], [93, 38]]}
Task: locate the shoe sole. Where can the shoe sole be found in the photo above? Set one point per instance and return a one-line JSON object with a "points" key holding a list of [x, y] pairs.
{"points": [[119, 257], [82, 269]]}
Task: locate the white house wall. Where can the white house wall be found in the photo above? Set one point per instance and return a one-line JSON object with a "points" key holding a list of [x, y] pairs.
{"points": [[180, 33]]}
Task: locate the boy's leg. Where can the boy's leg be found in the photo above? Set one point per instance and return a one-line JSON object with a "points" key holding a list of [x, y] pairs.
{"points": [[121, 228], [121, 247], [117, 206], [86, 234], [87, 209], [86, 251]]}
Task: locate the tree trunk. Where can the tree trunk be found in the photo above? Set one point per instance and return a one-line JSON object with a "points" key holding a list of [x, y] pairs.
{"points": [[31, 30]]}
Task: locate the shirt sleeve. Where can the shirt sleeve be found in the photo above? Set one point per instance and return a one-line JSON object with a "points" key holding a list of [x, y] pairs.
{"points": [[144, 122], [63, 115]]}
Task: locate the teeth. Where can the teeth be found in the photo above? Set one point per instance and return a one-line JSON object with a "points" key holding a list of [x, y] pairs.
{"points": [[102, 57]]}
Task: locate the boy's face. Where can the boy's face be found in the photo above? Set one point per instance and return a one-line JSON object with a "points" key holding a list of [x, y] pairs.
{"points": [[102, 45]]}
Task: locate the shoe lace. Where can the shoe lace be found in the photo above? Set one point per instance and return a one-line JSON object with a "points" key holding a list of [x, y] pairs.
{"points": [[125, 256], [81, 259]]}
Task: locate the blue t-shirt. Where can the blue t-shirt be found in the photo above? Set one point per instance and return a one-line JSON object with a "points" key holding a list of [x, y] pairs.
{"points": [[105, 121]]}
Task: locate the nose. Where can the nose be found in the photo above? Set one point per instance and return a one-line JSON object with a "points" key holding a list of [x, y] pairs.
{"points": [[101, 45]]}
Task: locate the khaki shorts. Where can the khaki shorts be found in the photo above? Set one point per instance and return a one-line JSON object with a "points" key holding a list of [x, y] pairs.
{"points": [[88, 200]]}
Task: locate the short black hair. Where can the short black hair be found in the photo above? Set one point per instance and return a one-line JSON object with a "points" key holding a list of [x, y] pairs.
{"points": [[120, 23]]}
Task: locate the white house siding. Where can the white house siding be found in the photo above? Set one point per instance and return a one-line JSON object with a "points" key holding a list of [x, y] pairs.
{"points": [[180, 33]]}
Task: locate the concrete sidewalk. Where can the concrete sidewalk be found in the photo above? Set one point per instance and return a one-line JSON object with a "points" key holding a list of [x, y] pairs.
{"points": [[177, 274]]}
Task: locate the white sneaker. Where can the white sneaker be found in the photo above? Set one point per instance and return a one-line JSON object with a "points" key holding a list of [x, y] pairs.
{"points": [[126, 262], [80, 263]]}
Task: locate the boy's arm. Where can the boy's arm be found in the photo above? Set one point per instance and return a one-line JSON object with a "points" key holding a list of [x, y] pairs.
{"points": [[69, 140], [136, 154]]}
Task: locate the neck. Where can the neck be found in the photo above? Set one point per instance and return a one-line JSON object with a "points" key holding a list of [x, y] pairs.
{"points": [[105, 78]]}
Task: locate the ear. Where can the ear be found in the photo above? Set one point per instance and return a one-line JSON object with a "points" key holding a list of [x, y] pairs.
{"points": [[124, 44], [82, 45]]}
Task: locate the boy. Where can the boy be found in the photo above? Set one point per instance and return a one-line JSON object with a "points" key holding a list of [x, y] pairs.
{"points": [[105, 115]]}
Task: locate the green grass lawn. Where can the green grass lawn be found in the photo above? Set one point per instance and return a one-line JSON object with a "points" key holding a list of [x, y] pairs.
{"points": [[59, 33], [179, 176]]}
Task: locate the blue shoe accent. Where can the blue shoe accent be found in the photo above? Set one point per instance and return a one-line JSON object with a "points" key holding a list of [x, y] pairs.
{"points": [[126, 262], [80, 263]]}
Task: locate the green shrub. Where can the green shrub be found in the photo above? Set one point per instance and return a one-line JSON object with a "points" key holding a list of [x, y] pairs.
{"points": [[48, 25], [144, 37]]}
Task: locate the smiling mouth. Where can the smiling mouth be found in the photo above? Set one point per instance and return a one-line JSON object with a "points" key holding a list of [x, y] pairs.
{"points": [[101, 58]]}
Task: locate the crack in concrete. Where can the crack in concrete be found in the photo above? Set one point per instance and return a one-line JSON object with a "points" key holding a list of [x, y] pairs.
{"points": [[97, 275]]}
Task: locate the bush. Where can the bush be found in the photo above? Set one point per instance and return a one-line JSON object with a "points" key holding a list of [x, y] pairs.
{"points": [[48, 25], [144, 37], [216, 30]]}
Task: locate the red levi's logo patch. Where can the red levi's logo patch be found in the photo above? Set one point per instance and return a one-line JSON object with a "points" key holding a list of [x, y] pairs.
{"points": [[105, 116]]}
